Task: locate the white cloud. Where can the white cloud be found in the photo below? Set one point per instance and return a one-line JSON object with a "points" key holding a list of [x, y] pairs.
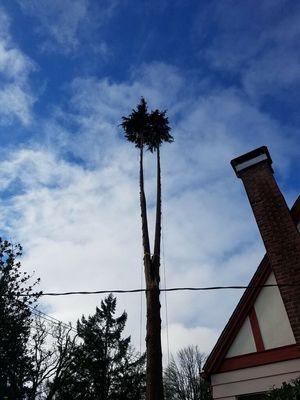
{"points": [[13, 63], [202, 337], [15, 102], [16, 97], [80, 224]]}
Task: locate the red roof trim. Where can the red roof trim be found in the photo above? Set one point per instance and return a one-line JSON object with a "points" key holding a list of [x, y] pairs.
{"points": [[237, 318], [259, 343], [243, 308], [262, 358]]}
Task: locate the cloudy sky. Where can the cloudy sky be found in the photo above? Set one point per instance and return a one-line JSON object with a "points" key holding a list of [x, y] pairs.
{"points": [[228, 74]]}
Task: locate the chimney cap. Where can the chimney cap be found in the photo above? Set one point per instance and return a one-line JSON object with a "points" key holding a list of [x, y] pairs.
{"points": [[254, 157]]}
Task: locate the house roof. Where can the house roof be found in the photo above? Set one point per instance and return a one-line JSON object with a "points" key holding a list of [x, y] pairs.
{"points": [[243, 308]]}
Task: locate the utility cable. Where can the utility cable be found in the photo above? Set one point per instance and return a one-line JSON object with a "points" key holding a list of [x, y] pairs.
{"points": [[173, 289], [51, 319]]}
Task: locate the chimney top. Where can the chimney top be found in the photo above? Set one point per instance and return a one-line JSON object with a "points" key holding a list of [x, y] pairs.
{"points": [[252, 158]]}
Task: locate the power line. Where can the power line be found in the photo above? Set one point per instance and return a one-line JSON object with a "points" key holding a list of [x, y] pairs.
{"points": [[51, 319], [174, 289], [47, 317]]}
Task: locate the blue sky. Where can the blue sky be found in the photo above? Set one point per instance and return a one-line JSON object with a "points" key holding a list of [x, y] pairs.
{"points": [[228, 73]]}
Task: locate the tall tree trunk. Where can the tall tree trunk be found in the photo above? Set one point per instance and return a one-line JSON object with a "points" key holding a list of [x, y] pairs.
{"points": [[157, 237], [154, 385], [154, 353], [145, 232], [154, 382]]}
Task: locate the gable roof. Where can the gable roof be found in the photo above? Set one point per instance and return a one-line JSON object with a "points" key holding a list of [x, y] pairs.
{"points": [[243, 308]]}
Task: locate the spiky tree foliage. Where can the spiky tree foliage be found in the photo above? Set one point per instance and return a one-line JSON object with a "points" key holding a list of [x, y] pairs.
{"points": [[159, 130], [16, 297], [136, 125], [150, 130], [103, 366]]}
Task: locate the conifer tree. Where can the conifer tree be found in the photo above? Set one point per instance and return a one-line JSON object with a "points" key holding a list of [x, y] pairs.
{"points": [[148, 131], [104, 366], [16, 297]]}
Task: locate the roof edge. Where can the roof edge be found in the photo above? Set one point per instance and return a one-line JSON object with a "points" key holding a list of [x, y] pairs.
{"points": [[240, 312]]}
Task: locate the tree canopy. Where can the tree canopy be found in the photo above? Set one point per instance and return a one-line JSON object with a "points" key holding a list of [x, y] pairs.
{"points": [[104, 366], [144, 128], [288, 391], [17, 295]]}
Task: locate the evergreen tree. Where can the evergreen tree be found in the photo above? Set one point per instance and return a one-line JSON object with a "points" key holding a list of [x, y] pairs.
{"points": [[16, 297], [288, 391], [104, 366], [150, 130]]}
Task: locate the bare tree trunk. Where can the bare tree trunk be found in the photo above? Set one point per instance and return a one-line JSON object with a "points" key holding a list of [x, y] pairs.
{"points": [[154, 383], [145, 232], [154, 377], [157, 237]]}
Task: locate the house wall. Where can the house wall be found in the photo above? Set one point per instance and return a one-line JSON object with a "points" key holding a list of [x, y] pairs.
{"points": [[273, 322], [244, 341], [228, 385], [272, 317]]}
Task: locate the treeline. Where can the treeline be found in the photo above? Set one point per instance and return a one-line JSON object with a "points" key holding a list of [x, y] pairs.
{"points": [[41, 358], [44, 359]]}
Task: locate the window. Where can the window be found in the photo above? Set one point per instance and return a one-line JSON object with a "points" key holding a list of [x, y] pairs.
{"points": [[254, 396]]}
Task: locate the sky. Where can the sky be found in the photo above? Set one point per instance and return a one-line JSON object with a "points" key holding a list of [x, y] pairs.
{"points": [[227, 72]]}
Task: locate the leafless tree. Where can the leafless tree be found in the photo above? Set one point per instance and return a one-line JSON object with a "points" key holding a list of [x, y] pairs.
{"points": [[182, 377], [51, 349]]}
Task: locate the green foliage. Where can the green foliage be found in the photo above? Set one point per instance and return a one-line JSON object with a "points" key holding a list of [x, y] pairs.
{"points": [[147, 129], [103, 365], [136, 125], [159, 130], [100, 365], [16, 295], [288, 391]]}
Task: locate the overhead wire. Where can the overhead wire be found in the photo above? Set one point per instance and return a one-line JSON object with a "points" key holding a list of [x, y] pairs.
{"points": [[50, 318], [172, 289]]}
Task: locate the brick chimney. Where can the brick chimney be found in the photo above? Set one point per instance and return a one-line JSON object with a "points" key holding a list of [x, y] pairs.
{"points": [[278, 231]]}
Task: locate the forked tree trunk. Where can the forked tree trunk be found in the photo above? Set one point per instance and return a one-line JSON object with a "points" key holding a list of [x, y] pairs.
{"points": [[154, 381], [155, 387]]}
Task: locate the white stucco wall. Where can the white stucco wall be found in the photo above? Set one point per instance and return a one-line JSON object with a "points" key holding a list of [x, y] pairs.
{"points": [[272, 318], [228, 385], [244, 341], [273, 322]]}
